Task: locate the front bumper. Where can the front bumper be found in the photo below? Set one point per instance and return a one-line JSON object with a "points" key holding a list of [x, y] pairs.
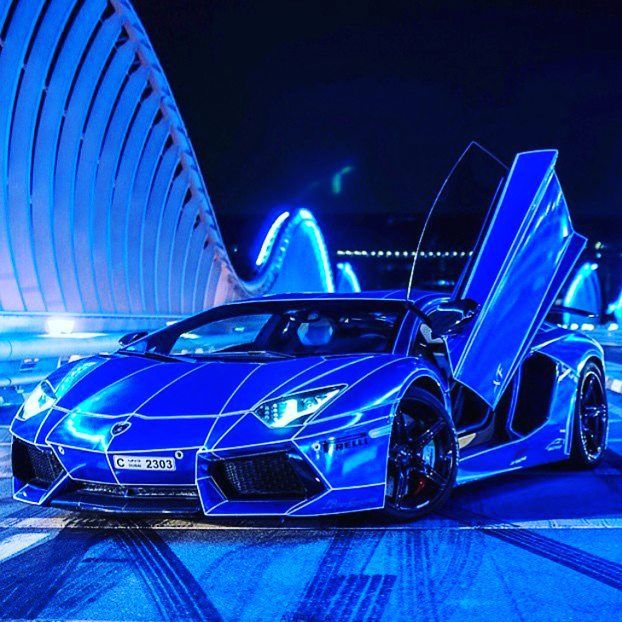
{"points": [[39, 478], [324, 468]]}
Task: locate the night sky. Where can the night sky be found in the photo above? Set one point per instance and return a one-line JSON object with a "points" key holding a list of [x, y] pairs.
{"points": [[278, 96]]}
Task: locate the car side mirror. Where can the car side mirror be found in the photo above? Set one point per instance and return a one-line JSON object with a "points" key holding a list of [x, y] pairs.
{"points": [[129, 338], [450, 315]]}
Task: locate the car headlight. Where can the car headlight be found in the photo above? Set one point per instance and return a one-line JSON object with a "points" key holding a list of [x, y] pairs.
{"points": [[283, 411], [42, 398]]}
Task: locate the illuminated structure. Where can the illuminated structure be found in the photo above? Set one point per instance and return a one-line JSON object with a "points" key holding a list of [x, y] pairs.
{"points": [[105, 221]]}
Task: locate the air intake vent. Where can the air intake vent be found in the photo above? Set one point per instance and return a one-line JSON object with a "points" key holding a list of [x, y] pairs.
{"points": [[34, 465], [111, 490], [277, 475]]}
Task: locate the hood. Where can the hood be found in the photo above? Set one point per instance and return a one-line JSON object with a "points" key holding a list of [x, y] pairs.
{"points": [[133, 385], [188, 401]]}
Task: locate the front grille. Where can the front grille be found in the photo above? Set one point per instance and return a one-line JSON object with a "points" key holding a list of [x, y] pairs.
{"points": [[113, 490], [34, 465], [277, 475]]}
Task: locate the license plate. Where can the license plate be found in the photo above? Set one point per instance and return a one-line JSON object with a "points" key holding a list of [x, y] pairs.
{"points": [[144, 463]]}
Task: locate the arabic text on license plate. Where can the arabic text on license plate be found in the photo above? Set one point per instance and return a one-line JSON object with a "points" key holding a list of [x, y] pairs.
{"points": [[144, 463]]}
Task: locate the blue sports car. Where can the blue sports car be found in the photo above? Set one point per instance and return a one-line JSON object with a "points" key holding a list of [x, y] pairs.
{"points": [[313, 404]]}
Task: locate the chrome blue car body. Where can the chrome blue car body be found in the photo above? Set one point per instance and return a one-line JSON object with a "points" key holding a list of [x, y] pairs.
{"points": [[196, 422]]}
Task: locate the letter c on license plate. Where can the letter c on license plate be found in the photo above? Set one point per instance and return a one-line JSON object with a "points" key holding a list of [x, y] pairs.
{"points": [[143, 463]]}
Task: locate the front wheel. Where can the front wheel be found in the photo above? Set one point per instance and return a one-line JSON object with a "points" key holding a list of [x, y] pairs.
{"points": [[591, 419], [423, 458]]}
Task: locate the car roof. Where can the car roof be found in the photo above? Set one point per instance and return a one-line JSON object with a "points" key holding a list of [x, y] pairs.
{"points": [[416, 296]]}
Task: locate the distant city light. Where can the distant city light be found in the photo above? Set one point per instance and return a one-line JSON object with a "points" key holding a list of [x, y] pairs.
{"points": [[56, 326], [337, 182], [399, 253]]}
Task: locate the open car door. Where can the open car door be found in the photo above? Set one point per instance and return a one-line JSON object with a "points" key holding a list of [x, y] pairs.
{"points": [[516, 265]]}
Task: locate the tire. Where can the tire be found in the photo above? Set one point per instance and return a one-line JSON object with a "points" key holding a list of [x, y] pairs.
{"points": [[591, 419], [423, 458]]}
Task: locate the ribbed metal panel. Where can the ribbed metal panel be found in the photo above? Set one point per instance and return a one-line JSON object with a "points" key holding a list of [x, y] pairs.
{"points": [[103, 209]]}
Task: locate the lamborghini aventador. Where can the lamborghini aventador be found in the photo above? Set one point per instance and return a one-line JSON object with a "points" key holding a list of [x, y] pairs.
{"points": [[311, 404]]}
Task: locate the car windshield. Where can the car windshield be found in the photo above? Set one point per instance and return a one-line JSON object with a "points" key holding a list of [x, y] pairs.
{"points": [[279, 329]]}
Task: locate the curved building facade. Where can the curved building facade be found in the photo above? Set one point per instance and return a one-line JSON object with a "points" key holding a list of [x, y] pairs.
{"points": [[104, 213]]}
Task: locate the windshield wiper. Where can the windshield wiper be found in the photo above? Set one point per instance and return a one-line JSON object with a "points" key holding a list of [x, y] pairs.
{"points": [[244, 354], [149, 355], [270, 353]]}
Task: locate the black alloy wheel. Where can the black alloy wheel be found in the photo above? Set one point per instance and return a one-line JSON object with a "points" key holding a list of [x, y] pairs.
{"points": [[423, 457], [589, 436]]}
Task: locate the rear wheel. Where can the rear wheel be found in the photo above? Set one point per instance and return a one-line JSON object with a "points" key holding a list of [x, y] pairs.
{"points": [[423, 458], [589, 437]]}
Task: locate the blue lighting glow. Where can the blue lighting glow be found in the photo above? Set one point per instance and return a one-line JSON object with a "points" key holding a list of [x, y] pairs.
{"points": [[616, 309], [320, 251], [268, 243], [584, 291], [337, 181], [295, 252], [348, 279]]}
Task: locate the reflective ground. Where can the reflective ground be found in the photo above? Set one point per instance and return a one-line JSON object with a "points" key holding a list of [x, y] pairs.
{"points": [[537, 545]]}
